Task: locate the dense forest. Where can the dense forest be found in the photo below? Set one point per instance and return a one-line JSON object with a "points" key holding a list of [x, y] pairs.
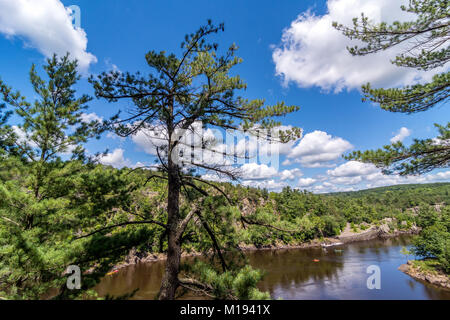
{"points": [[92, 215]]}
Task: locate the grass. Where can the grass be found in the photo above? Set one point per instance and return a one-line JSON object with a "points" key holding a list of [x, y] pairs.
{"points": [[429, 266]]}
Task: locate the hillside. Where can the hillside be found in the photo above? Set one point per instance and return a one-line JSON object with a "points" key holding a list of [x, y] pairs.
{"points": [[443, 186]]}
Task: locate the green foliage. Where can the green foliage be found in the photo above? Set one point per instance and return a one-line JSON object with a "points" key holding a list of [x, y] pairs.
{"points": [[6, 141], [426, 47], [431, 242], [58, 213], [420, 157], [434, 239], [444, 258], [239, 283], [206, 91], [427, 217], [44, 201], [182, 91], [52, 125], [425, 40]]}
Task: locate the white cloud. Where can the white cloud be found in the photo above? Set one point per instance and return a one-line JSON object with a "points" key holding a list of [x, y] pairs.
{"points": [[214, 147], [352, 169], [380, 180], [254, 171], [444, 175], [306, 182], [215, 177], [115, 159], [265, 184], [23, 137], [290, 174], [327, 187], [318, 148], [149, 139], [313, 53], [153, 137], [47, 26], [111, 66], [263, 144], [89, 117], [346, 180], [361, 175], [401, 135]]}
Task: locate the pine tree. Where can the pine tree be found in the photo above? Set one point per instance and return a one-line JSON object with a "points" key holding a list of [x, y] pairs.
{"points": [[426, 48], [45, 201], [194, 88], [5, 131]]}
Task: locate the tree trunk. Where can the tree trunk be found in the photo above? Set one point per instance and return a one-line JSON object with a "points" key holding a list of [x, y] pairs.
{"points": [[169, 282]]}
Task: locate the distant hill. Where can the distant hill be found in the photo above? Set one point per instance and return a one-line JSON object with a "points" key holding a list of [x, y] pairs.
{"points": [[400, 187], [403, 196]]}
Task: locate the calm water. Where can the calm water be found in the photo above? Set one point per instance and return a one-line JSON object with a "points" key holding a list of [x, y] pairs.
{"points": [[292, 274]]}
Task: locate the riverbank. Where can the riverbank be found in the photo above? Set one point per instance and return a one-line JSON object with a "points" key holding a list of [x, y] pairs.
{"points": [[295, 275], [382, 231], [426, 271]]}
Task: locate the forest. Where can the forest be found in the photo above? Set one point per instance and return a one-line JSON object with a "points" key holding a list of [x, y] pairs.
{"points": [[92, 215], [61, 207]]}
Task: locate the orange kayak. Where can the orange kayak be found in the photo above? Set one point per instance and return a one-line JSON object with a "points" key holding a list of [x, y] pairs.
{"points": [[112, 272]]}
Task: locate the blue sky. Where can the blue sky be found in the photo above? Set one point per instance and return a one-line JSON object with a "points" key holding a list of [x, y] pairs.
{"points": [[290, 53]]}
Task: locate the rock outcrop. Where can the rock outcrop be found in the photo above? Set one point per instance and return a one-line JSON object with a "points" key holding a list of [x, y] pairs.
{"points": [[436, 278], [383, 231]]}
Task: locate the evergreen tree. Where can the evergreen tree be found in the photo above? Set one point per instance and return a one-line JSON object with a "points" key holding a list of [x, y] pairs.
{"points": [[44, 201], [6, 136], [426, 48], [194, 88]]}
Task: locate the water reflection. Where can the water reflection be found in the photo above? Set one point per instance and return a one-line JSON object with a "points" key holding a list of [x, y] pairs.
{"points": [[339, 273]]}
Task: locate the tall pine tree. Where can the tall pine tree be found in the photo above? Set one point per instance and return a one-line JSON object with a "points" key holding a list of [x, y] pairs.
{"points": [[180, 93]]}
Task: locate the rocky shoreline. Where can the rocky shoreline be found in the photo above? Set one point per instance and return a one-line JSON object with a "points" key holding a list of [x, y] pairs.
{"points": [[374, 232], [436, 278]]}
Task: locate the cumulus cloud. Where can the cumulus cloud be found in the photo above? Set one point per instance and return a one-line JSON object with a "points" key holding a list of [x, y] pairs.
{"points": [[148, 139], [263, 144], [444, 175], [196, 145], [47, 26], [290, 174], [327, 187], [401, 135], [379, 180], [254, 171], [352, 169], [265, 184], [346, 180], [313, 53], [23, 137], [306, 182], [89, 117], [360, 175], [317, 149], [115, 159]]}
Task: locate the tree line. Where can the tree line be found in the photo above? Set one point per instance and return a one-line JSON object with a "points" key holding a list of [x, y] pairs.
{"points": [[60, 207]]}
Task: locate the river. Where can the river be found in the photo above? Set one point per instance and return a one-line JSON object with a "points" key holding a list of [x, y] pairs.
{"points": [[339, 273]]}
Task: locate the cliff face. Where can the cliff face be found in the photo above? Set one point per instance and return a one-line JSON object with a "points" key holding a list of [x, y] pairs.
{"points": [[374, 232]]}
